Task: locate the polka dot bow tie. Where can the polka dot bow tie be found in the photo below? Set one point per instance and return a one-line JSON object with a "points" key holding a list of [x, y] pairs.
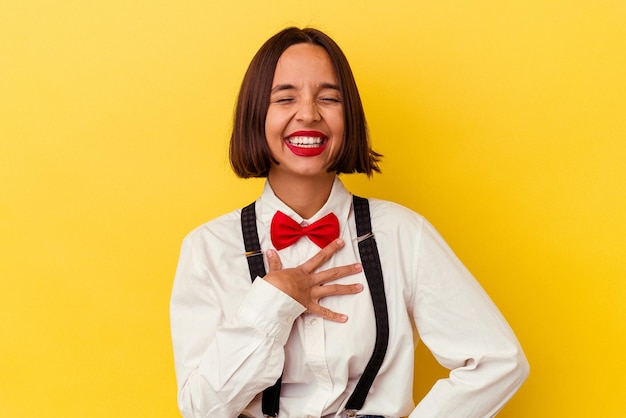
{"points": [[284, 231]]}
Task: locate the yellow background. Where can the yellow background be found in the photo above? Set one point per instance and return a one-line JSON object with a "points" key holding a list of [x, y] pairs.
{"points": [[502, 122]]}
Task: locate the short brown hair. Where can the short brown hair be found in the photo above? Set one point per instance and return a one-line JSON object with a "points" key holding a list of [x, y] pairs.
{"points": [[249, 153]]}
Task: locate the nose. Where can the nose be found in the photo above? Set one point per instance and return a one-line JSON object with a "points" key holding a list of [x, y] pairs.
{"points": [[308, 111]]}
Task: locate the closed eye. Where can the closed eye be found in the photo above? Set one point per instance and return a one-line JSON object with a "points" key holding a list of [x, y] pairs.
{"points": [[284, 100], [330, 99]]}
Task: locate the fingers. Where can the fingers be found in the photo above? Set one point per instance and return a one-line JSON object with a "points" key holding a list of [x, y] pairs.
{"points": [[273, 260], [322, 256], [336, 273], [327, 313], [307, 287], [320, 292]]}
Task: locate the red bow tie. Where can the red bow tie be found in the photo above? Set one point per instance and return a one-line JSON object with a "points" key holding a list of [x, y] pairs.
{"points": [[284, 231]]}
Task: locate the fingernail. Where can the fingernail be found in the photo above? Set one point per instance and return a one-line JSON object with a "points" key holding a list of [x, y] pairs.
{"points": [[270, 253], [358, 266], [343, 318], [339, 241], [358, 286]]}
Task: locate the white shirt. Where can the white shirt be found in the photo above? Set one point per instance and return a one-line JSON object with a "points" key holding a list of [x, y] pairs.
{"points": [[233, 338]]}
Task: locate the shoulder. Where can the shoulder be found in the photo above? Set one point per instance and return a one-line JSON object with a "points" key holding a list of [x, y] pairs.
{"points": [[405, 226], [228, 222], [388, 214], [217, 237], [393, 223], [213, 255]]}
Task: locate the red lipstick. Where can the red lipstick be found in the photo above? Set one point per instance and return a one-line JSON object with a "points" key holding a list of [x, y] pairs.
{"points": [[306, 143]]}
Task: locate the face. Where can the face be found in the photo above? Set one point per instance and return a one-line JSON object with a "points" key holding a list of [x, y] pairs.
{"points": [[304, 126]]}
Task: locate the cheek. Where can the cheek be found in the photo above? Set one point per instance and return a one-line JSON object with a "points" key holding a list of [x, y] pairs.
{"points": [[274, 124], [269, 122], [273, 132], [338, 126]]}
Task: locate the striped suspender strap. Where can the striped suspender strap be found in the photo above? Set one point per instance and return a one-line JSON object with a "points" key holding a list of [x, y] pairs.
{"points": [[371, 267]]}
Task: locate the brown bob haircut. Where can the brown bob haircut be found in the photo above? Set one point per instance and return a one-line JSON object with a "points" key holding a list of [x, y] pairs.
{"points": [[249, 153]]}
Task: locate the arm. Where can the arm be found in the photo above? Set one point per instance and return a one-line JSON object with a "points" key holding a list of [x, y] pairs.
{"points": [[466, 333], [229, 342], [223, 361]]}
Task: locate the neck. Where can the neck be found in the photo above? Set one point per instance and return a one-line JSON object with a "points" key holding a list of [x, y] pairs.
{"points": [[305, 195]]}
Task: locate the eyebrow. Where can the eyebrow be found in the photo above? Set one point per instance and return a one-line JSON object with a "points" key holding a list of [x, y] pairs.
{"points": [[282, 87]]}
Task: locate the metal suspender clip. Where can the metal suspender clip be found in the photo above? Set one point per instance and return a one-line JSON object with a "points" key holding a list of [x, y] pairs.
{"points": [[349, 413], [364, 237]]}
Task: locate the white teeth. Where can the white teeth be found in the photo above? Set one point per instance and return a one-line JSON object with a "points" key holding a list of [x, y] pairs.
{"points": [[306, 141]]}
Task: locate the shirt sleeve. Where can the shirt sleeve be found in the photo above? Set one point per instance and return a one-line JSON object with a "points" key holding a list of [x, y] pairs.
{"points": [[224, 360], [466, 333]]}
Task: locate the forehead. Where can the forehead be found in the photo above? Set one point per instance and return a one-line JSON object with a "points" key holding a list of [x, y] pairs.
{"points": [[305, 62]]}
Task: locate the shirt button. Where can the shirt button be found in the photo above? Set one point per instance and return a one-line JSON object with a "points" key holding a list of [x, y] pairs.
{"points": [[313, 321]]}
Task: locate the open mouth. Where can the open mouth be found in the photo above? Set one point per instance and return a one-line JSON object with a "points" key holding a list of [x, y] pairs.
{"points": [[306, 141], [306, 146]]}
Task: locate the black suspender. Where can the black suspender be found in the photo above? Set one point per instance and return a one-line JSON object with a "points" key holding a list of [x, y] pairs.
{"points": [[251, 242], [370, 260], [374, 274], [271, 395]]}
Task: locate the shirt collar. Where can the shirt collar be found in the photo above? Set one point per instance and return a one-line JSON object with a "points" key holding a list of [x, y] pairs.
{"points": [[339, 202]]}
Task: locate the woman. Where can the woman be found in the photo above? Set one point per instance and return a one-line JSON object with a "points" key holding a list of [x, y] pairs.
{"points": [[298, 339]]}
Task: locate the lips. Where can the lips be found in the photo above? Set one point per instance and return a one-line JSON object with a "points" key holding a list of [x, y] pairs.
{"points": [[307, 143]]}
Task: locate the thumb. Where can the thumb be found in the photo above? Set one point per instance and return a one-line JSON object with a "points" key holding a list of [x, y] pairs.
{"points": [[273, 260]]}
